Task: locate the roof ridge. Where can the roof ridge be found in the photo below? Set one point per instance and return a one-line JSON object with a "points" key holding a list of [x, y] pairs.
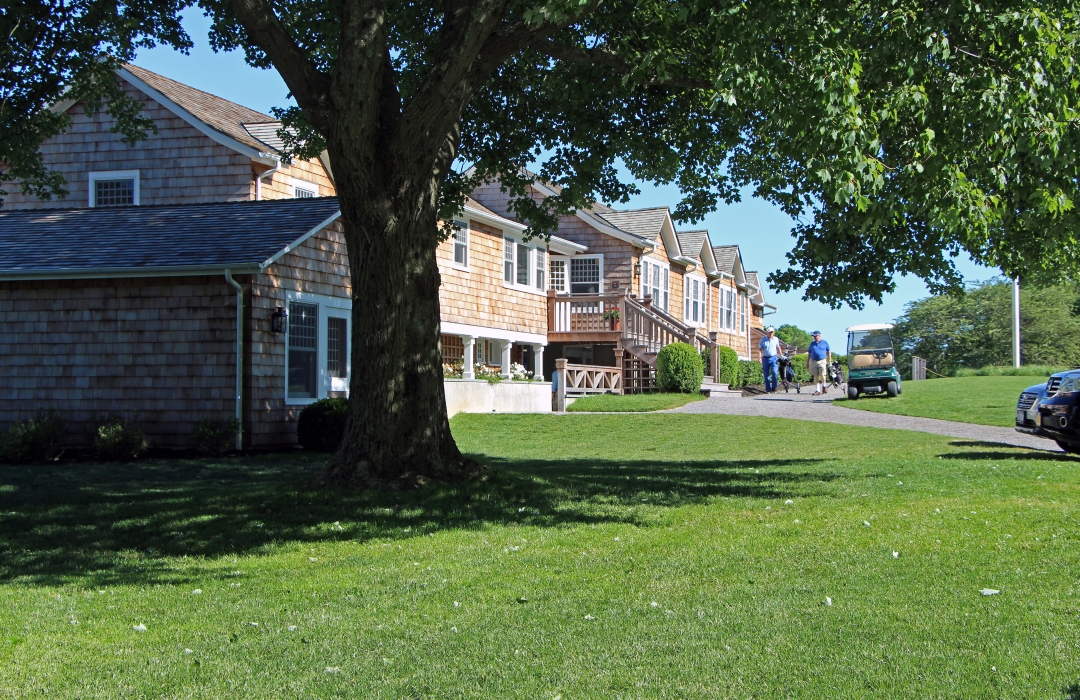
{"points": [[261, 202], [177, 83]]}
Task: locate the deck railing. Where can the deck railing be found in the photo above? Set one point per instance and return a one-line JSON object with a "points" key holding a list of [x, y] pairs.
{"points": [[584, 313]]}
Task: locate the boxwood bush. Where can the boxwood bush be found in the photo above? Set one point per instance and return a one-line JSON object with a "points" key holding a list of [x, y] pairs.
{"points": [[802, 371], [729, 367], [679, 368], [39, 439], [750, 373], [116, 439], [214, 436], [321, 425]]}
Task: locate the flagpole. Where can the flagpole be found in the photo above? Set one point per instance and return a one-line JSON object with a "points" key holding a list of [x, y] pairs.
{"points": [[1016, 323]]}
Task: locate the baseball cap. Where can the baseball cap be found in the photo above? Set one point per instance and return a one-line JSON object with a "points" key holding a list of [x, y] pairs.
{"points": [[770, 329], [816, 333]]}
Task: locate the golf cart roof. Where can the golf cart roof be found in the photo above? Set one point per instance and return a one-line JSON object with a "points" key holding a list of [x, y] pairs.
{"points": [[870, 327]]}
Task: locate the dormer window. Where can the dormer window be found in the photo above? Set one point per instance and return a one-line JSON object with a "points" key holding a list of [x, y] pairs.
{"points": [[116, 188]]}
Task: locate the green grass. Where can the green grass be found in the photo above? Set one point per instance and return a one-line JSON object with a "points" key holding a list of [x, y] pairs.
{"points": [[635, 556], [982, 400], [997, 371], [631, 403]]}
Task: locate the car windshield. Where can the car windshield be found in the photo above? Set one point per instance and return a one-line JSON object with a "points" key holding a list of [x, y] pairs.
{"points": [[868, 341], [1070, 382]]}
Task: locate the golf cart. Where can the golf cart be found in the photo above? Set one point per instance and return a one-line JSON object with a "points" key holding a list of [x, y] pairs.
{"points": [[871, 361]]}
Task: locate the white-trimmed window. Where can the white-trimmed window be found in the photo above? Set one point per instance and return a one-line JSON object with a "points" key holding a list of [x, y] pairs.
{"points": [[742, 313], [557, 273], [587, 274], [460, 241], [695, 299], [302, 189], [317, 347], [730, 308], [114, 188], [655, 279], [523, 266]]}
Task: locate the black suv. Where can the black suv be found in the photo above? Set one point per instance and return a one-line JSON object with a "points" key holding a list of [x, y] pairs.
{"points": [[1028, 405], [1058, 415]]}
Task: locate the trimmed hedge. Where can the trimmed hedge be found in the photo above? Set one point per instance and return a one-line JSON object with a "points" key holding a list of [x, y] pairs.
{"points": [[802, 372], [679, 368], [116, 439], [750, 373], [214, 437], [729, 367], [321, 425]]}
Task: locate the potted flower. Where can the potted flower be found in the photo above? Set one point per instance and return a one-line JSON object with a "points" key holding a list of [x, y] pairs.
{"points": [[612, 315]]}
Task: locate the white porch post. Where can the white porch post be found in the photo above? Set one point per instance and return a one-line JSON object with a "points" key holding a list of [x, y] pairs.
{"points": [[538, 361], [467, 360], [505, 358]]}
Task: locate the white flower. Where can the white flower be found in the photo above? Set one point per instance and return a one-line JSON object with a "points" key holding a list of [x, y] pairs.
{"points": [[313, 559], [333, 669], [768, 507], [457, 604], [292, 628], [616, 539], [139, 627], [188, 651], [866, 523], [896, 555], [589, 617], [655, 604], [234, 585], [899, 483], [828, 601], [796, 521], [789, 502], [254, 624], [197, 591], [989, 591]]}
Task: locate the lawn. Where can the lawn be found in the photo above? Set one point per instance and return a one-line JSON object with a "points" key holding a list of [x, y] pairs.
{"points": [[983, 400], [635, 556], [631, 403]]}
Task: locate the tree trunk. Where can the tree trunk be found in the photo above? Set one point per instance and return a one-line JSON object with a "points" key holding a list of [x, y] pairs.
{"points": [[397, 430]]}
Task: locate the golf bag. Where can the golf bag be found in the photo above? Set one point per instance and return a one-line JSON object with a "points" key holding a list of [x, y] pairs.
{"points": [[836, 375], [787, 374]]}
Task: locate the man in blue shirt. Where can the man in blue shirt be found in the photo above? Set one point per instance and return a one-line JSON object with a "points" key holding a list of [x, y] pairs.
{"points": [[770, 350], [819, 359]]}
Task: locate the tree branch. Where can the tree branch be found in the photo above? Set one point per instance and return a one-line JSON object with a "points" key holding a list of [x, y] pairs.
{"points": [[601, 56], [308, 84]]}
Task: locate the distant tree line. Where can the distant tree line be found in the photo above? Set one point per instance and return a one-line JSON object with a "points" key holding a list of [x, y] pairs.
{"points": [[973, 329]]}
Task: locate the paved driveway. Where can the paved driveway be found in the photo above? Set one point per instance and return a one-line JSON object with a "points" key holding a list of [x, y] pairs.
{"points": [[806, 406]]}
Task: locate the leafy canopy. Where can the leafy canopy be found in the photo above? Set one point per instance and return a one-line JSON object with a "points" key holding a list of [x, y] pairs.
{"points": [[67, 50]]}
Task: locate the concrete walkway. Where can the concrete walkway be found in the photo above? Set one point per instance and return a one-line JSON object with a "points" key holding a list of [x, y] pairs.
{"points": [[806, 406]]}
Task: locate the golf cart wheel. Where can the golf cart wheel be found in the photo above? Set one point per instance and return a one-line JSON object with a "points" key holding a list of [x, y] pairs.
{"points": [[890, 389], [1068, 447], [852, 392]]}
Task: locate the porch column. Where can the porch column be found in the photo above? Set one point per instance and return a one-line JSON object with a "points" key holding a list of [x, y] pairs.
{"points": [[538, 362], [469, 342], [506, 358]]}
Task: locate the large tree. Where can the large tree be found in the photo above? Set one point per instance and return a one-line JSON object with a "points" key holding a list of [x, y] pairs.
{"points": [[899, 133]]}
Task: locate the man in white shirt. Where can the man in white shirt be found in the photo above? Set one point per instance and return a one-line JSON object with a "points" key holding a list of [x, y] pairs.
{"points": [[770, 350]]}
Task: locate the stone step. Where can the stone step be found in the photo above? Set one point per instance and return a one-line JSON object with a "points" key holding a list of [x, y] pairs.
{"points": [[719, 391]]}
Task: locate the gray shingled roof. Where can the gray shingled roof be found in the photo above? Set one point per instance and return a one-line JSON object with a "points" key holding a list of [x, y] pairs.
{"points": [[130, 240], [725, 257], [643, 223], [237, 121], [691, 242]]}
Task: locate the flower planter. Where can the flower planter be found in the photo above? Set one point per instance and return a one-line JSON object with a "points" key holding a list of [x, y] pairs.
{"points": [[615, 324]]}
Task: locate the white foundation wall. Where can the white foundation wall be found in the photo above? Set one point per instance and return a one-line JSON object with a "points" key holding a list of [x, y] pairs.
{"points": [[480, 396]]}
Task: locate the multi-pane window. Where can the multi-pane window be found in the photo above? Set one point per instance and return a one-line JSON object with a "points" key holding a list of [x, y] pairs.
{"points": [[461, 244], [337, 347], [303, 351], [114, 193], [508, 260], [304, 190], [654, 282], [730, 309], [742, 312], [695, 299], [540, 266], [558, 275], [584, 275]]}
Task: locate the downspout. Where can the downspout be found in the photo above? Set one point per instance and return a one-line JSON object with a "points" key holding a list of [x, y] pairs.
{"points": [[259, 179], [239, 356]]}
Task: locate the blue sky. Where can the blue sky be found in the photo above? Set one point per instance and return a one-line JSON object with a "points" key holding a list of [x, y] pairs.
{"points": [[762, 231]]}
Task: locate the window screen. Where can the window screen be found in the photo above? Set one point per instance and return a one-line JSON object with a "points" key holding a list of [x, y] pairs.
{"points": [[730, 309], [114, 193], [540, 258], [508, 260], [522, 264], [337, 343], [303, 350], [584, 276]]}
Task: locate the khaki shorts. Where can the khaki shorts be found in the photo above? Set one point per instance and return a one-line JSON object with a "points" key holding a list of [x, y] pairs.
{"points": [[819, 371]]}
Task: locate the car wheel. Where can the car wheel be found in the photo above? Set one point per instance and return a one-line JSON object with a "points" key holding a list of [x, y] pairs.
{"points": [[890, 389], [852, 392], [1068, 447]]}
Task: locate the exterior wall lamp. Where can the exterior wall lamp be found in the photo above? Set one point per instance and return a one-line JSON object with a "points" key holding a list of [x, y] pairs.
{"points": [[637, 269], [279, 320]]}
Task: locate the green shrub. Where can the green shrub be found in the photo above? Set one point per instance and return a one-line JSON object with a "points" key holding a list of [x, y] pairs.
{"points": [[802, 372], [679, 368], [321, 425], [214, 436], [39, 439], [116, 439], [729, 366], [995, 371], [750, 373]]}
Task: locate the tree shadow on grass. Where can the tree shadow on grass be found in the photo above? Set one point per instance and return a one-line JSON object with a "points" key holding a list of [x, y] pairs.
{"points": [[1003, 456], [1073, 692], [106, 524]]}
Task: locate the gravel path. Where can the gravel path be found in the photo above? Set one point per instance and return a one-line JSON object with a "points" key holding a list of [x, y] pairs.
{"points": [[818, 408]]}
